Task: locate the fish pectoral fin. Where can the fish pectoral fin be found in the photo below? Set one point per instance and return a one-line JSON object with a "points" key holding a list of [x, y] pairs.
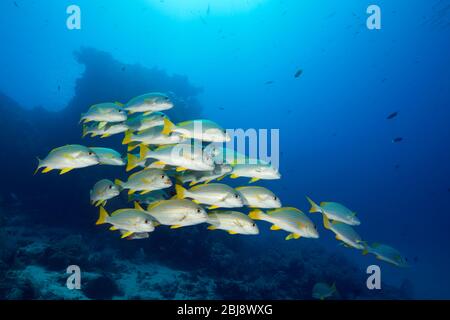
{"points": [[297, 236], [274, 227], [180, 169], [131, 191], [289, 236], [65, 170], [212, 228], [232, 232], [126, 234], [113, 228], [234, 176], [213, 207], [253, 180], [175, 226], [48, 169], [106, 135]]}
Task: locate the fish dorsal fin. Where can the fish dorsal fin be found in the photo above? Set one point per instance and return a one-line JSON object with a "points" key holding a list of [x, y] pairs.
{"points": [[154, 205], [292, 209], [137, 206]]}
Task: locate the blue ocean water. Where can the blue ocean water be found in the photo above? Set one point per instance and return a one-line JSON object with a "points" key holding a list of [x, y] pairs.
{"points": [[235, 62]]}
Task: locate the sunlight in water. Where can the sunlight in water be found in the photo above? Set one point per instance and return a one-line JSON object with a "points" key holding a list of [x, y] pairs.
{"points": [[195, 8]]}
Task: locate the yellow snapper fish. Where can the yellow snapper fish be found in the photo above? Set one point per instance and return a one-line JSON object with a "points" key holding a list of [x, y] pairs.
{"points": [[204, 130], [255, 172], [177, 213], [135, 236], [148, 103], [386, 253], [182, 156], [217, 195], [259, 197], [142, 122], [151, 136], [344, 233], [194, 177], [67, 158], [102, 191], [288, 219], [131, 220], [335, 211], [232, 221], [146, 180], [149, 198], [106, 131], [108, 156], [224, 155], [323, 291], [134, 161], [104, 113]]}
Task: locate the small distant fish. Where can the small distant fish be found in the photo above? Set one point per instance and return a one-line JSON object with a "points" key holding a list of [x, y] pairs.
{"points": [[67, 158], [214, 194], [146, 181], [298, 73], [232, 221], [344, 233], [136, 235], [392, 115], [148, 103], [177, 213], [108, 156], [322, 291], [201, 129], [269, 82], [386, 253], [102, 191], [16, 4], [59, 88], [104, 113], [255, 172], [259, 197], [397, 140], [131, 220], [335, 211], [288, 219]]}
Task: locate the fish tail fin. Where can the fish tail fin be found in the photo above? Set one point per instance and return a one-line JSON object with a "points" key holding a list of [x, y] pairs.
{"points": [[255, 214], [85, 132], [144, 150], [38, 167], [314, 206], [103, 216], [180, 191], [326, 222], [132, 162], [128, 137], [168, 126]]}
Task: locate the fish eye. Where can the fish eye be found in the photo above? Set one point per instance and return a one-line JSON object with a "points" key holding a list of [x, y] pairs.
{"points": [[90, 153], [199, 211], [253, 224], [163, 176], [166, 98], [146, 221], [110, 186], [275, 198], [236, 196]]}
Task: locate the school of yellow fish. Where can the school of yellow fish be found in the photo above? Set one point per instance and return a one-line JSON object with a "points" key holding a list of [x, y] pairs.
{"points": [[189, 156]]}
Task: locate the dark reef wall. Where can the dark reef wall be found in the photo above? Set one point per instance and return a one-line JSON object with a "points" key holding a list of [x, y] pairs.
{"points": [[26, 134]]}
